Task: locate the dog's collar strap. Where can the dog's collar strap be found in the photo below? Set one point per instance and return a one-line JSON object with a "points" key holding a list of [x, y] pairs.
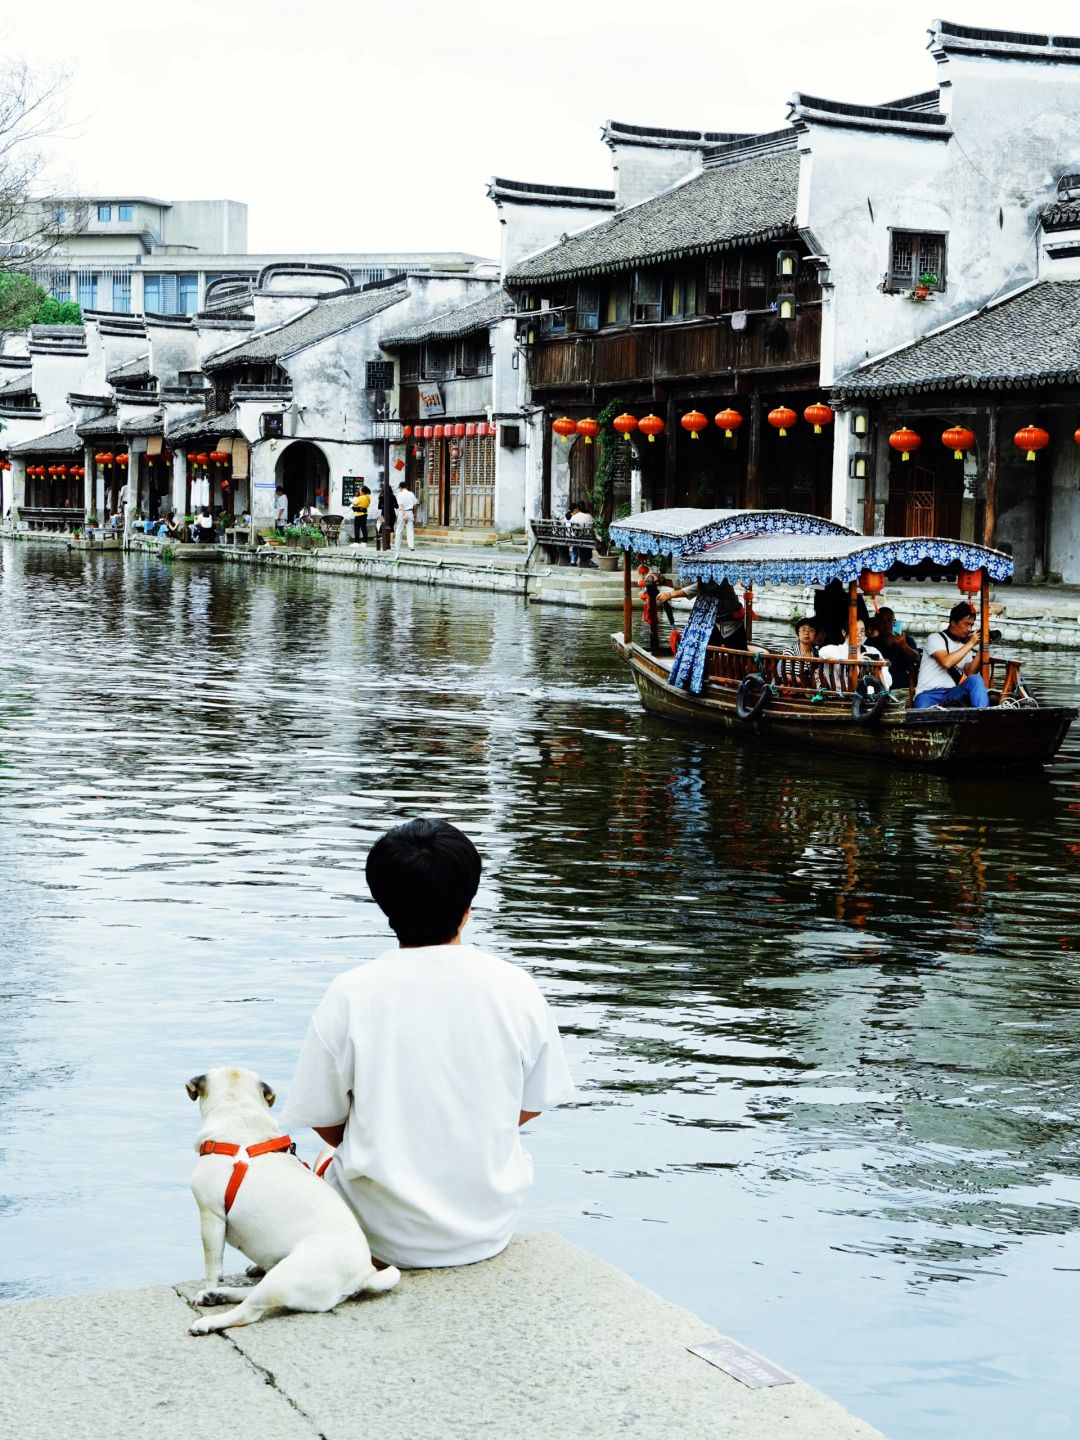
{"points": [[240, 1169]]}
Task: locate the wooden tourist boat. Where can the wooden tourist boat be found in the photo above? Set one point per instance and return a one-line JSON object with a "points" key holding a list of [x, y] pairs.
{"points": [[817, 704]]}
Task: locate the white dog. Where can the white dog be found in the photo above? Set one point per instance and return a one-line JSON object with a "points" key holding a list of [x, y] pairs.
{"points": [[253, 1192]]}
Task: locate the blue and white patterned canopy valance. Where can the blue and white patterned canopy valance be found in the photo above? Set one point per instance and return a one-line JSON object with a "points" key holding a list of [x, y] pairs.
{"points": [[686, 531], [775, 560]]}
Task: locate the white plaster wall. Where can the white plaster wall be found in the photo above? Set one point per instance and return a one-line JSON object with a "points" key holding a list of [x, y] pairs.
{"points": [[171, 350], [218, 226], [529, 228], [1017, 128], [55, 377], [642, 171], [508, 385]]}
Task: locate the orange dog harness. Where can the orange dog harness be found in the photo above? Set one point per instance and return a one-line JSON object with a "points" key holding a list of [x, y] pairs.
{"points": [[240, 1169]]}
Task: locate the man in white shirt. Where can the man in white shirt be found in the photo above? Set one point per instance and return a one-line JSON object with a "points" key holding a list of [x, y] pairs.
{"points": [[949, 671], [407, 503], [421, 1066], [281, 508]]}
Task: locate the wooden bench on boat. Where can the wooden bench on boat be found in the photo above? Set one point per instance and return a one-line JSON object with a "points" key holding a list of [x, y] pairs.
{"points": [[51, 517], [555, 536]]}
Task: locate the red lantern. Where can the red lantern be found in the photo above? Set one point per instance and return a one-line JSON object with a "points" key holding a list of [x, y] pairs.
{"points": [[905, 441], [651, 426], [1031, 439], [407, 432], [121, 459], [624, 425], [224, 484], [729, 421], [459, 431], [589, 428], [564, 427], [969, 582], [105, 458], [483, 429], [438, 431], [818, 415], [429, 431], [470, 430], [871, 582], [782, 419], [166, 456], [958, 439], [694, 421], [61, 470]]}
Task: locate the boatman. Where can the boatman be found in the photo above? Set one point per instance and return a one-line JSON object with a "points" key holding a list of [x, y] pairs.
{"points": [[949, 672]]}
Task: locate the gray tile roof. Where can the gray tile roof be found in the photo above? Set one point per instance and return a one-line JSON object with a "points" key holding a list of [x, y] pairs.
{"points": [[325, 318], [477, 316], [137, 369], [152, 423], [725, 205], [100, 425], [1031, 337], [21, 385], [57, 442], [195, 426]]}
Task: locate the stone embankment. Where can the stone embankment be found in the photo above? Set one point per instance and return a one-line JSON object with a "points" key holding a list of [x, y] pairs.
{"points": [[1031, 616], [543, 1341]]}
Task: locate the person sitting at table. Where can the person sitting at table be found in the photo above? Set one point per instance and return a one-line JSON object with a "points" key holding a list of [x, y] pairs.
{"points": [[168, 528], [205, 533], [845, 678], [807, 629]]}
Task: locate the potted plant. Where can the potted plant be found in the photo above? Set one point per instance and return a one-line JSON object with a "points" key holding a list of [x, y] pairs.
{"points": [[293, 536], [924, 284]]}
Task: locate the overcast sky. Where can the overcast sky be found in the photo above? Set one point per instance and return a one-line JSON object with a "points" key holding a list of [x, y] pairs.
{"points": [[350, 125]]}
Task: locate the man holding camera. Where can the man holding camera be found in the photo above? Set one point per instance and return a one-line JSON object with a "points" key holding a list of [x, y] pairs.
{"points": [[949, 672]]}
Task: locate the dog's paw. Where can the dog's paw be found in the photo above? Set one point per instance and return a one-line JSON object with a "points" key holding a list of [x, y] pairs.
{"points": [[212, 1297], [200, 1327], [255, 1272]]}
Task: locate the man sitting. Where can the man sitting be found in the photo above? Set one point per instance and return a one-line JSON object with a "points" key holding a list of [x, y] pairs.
{"points": [[949, 669], [421, 1065]]}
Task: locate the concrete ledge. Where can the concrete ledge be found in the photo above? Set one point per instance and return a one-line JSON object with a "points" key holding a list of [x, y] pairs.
{"points": [[543, 1341]]}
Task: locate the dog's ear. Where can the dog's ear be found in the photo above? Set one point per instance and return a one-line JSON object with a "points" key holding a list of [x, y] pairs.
{"points": [[196, 1087], [268, 1094]]}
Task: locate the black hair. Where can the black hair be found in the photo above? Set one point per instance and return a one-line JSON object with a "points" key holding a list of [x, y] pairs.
{"points": [[963, 611], [423, 876]]}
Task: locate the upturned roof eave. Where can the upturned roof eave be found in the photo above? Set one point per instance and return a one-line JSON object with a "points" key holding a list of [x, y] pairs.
{"points": [[967, 381]]}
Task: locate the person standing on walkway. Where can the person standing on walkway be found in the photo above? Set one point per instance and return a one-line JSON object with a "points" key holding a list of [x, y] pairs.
{"points": [[361, 504], [281, 508], [407, 503], [950, 665]]}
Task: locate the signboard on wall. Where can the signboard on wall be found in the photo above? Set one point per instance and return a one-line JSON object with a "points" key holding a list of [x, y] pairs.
{"points": [[431, 401], [350, 488]]}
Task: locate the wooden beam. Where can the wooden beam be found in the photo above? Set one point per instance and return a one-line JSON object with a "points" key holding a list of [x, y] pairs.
{"points": [[752, 498], [627, 603], [853, 620], [984, 624], [990, 499]]}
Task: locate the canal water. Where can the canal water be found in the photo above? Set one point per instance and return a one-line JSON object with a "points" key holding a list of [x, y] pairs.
{"points": [[824, 1017]]}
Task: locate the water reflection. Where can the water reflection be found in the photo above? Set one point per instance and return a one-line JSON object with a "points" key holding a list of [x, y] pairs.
{"points": [[824, 1016]]}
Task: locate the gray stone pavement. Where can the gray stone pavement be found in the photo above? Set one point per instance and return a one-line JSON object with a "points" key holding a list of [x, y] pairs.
{"points": [[543, 1341]]}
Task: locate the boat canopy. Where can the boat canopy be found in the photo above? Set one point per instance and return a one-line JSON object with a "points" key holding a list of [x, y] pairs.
{"points": [[685, 531], [817, 559]]}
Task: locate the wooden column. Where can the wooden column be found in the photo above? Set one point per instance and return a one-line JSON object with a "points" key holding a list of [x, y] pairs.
{"points": [[984, 623], [670, 437], [627, 604], [853, 620], [748, 618], [990, 503], [753, 455]]}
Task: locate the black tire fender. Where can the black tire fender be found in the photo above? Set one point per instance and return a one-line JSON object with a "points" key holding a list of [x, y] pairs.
{"points": [[752, 697], [871, 698]]}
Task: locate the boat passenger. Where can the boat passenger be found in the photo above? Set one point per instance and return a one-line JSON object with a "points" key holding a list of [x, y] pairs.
{"points": [[949, 669], [844, 679], [831, 604], [888, 636], [730, 628], [807, 629]]}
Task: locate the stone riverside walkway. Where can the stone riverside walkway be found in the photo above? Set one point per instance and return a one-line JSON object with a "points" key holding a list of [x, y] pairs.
{"points": [[543, 1341]]}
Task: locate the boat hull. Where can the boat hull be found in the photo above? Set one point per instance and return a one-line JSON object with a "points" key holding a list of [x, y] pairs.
{"points": [[953, 739]]}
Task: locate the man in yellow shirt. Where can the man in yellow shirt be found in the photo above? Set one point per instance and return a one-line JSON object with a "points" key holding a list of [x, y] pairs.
{"points": [[360, 506]]}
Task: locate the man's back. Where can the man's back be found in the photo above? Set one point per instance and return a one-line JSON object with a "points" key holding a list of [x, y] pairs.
{"points": [[432, 1052]]}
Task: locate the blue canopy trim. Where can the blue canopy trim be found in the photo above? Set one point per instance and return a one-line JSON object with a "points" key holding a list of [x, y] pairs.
{"points": [[688, 668], [761, 562], [683, 532]]}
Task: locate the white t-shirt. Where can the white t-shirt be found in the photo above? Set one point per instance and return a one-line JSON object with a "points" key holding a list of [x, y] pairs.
{"points": [[431, 1053], [933, 676], [281, 508], [407, 502]]}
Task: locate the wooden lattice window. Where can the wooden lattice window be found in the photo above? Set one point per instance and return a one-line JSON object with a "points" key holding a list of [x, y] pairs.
{"points": [[648, 296], [914, 253]]}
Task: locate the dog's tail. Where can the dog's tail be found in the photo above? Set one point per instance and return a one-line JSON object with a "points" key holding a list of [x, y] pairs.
{"points": [[380, 1280]]}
